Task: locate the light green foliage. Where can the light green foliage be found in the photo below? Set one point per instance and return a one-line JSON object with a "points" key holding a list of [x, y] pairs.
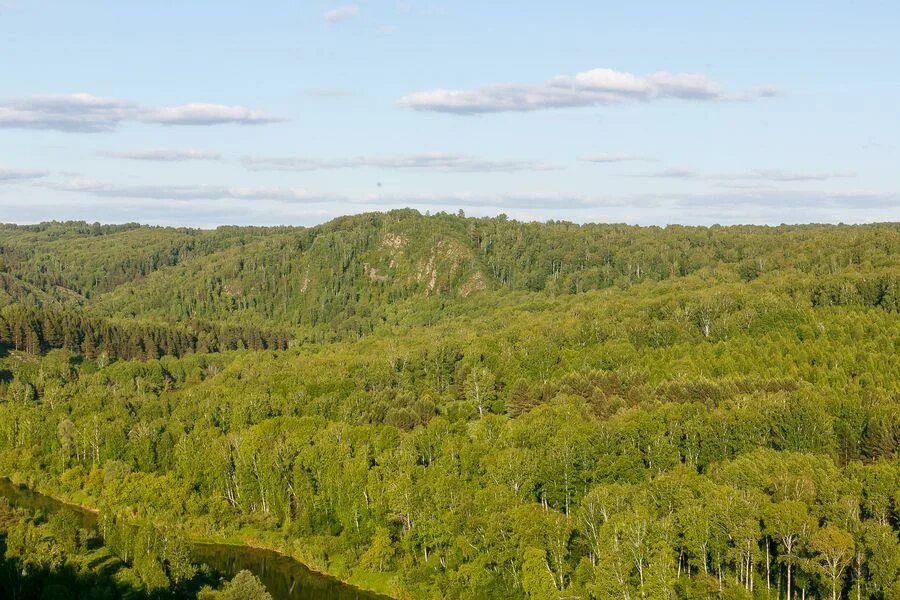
{"points": [[380, 552], [537, 578], [834, 550]]}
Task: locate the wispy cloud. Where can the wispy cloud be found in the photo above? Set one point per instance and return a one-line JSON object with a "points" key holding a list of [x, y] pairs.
{"points": [[675, 173], [523, 201], [89, 113], [341, 13], [427, 161], [788, 200], [780, 175], [15, 175], [328, 92], [615, 158], [192, 192], [164, 155], [596, 87], [738, 206], [756, 175]]}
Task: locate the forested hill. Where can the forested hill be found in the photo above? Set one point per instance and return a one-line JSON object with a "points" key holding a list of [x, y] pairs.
{"points": [[349, 275], [445, 407]]}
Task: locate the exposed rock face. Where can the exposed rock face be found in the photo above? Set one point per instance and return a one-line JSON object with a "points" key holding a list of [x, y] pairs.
{"points": [[373, 274], [394, 241], [447, 261], [475, 283]]}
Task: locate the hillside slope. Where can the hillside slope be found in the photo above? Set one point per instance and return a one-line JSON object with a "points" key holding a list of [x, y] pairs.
{"points": [[343, 277]]}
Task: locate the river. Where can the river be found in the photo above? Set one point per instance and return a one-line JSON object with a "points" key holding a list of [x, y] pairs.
{"points": [[284, 577]]}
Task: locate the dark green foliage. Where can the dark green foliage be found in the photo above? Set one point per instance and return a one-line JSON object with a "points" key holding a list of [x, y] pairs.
{"points": [[36, 329]]}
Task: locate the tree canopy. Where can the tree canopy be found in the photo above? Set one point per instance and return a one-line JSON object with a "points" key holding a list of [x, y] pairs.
{"points": [[439, 406]]}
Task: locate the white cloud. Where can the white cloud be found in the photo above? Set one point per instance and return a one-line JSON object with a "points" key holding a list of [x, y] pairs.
{"points": [[206, 114], [165, 155], [73, 112], [341, 13], [596, 87], [14, 175], [89, 113], [427, 161]]}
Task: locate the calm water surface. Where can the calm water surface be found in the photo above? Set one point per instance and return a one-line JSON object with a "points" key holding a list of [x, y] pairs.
{"points": [[285, 578]]}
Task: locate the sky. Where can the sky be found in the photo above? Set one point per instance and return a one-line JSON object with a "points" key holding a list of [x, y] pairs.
{"points": [[206, 113]]}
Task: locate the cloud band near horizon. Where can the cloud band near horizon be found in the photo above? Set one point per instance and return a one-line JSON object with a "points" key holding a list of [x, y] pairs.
{"points": [[521, 200]]}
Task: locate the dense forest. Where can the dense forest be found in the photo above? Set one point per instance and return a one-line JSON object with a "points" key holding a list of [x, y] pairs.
{"points": [[448, 407]]}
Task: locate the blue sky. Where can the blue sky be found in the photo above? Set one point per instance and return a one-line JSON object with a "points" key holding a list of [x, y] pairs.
{"points": [[204, 113]]}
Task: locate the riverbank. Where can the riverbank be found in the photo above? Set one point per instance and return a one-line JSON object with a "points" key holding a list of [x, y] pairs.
{"points": [[251, 550]]}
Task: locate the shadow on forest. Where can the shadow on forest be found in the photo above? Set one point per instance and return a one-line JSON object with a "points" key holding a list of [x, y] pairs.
{"points": [[94, 580], [98, 567]]}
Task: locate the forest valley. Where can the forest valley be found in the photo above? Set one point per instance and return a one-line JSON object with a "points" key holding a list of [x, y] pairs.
{"points": [[435, 406]]}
